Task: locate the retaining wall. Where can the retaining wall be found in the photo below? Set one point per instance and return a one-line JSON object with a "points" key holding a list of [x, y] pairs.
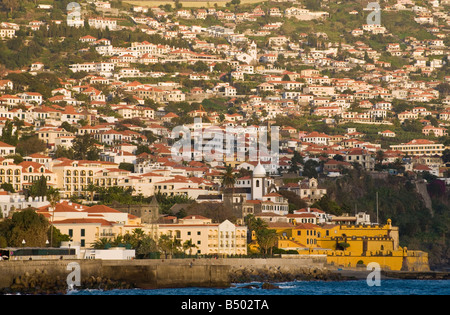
{"points": [[152, 273]]}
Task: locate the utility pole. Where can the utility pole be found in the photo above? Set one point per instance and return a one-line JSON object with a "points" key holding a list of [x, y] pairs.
{"points": [[377, 207]]}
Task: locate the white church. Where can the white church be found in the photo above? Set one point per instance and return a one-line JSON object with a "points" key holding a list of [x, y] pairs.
{"points": [[249, 57], [263, 189]]}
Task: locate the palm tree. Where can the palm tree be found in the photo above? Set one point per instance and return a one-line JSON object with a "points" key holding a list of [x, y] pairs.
{"points": [[102, 243], [255, 225], [228, 181], [188, 245], [91, 188], [53, 198], [166, 244]]}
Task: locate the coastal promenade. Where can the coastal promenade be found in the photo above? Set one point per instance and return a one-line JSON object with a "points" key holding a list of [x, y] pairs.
{"points": [[50, 276]]}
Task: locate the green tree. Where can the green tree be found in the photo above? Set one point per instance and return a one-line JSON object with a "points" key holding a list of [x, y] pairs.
{"points": [[10, 5], [29, 145], [7, 187], [27, 226], [446, 156], [84, 148], [39, 187], [310, 168], [328, 205], [8, 135], [295, 161], [126, 166]]}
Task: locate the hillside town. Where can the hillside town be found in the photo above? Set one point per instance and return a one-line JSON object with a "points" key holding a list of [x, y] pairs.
{"points": [[98, 120]]}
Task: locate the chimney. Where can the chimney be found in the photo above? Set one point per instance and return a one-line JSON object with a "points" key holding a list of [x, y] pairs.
{"points": [[309, 209]]}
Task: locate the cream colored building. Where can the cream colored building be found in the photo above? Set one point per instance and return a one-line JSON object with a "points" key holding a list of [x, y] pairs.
{"points": [[310, 190], [86, 225], [49, 134], [11, 173], [418, 147], [73, 177], [209, 238]]}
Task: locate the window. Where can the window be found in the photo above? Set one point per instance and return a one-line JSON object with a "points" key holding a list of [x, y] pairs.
{"points": [[70, 232], [83, 232]]}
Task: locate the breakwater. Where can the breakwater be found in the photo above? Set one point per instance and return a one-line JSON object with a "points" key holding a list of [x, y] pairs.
{"points": [[50, 276]]}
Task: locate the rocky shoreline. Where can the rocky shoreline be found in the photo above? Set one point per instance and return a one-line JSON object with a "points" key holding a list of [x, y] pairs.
{"points": [[40, 283], [278, 274]]}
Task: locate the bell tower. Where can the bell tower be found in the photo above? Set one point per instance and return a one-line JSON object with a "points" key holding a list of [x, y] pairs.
{"points": [[253, 51], [258, 182]]}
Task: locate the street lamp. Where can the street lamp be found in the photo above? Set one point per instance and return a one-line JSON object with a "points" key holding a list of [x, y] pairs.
{"points": [[23, 242]]}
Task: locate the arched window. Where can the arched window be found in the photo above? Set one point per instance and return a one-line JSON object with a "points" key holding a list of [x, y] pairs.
{"points": [[257, 183]]}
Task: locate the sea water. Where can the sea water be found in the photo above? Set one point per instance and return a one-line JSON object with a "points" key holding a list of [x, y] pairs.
{"points": [[350, 287]]}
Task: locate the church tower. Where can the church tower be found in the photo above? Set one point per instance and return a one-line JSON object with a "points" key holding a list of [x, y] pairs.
{"points": [[253, 51], [258, 182]]}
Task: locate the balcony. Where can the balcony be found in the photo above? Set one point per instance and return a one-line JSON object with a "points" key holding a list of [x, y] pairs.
{"points": [[105, 234]]}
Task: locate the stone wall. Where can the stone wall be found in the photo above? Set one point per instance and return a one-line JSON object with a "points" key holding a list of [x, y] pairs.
{"points": [[50, 276]]}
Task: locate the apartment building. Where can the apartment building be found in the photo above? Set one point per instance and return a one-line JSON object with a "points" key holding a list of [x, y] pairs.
{"points": [[362, 157], [418, 147], [103, 23], [7, 149], [74, 177], [86, 225], [320, 90], [310, 191], [7, 33], [92, 67], [209, 238], [50, 134], [136, 112], [275, 203], [10, 173]]}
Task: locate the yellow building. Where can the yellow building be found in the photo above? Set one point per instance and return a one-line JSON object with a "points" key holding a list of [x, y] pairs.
{"points": [[351, 245]]}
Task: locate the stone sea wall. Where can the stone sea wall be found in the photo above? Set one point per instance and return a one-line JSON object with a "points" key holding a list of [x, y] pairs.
{"points": [[50, 276]]}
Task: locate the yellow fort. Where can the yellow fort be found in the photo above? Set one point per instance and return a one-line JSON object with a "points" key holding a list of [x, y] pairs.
{"points": [[350, 245]]}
